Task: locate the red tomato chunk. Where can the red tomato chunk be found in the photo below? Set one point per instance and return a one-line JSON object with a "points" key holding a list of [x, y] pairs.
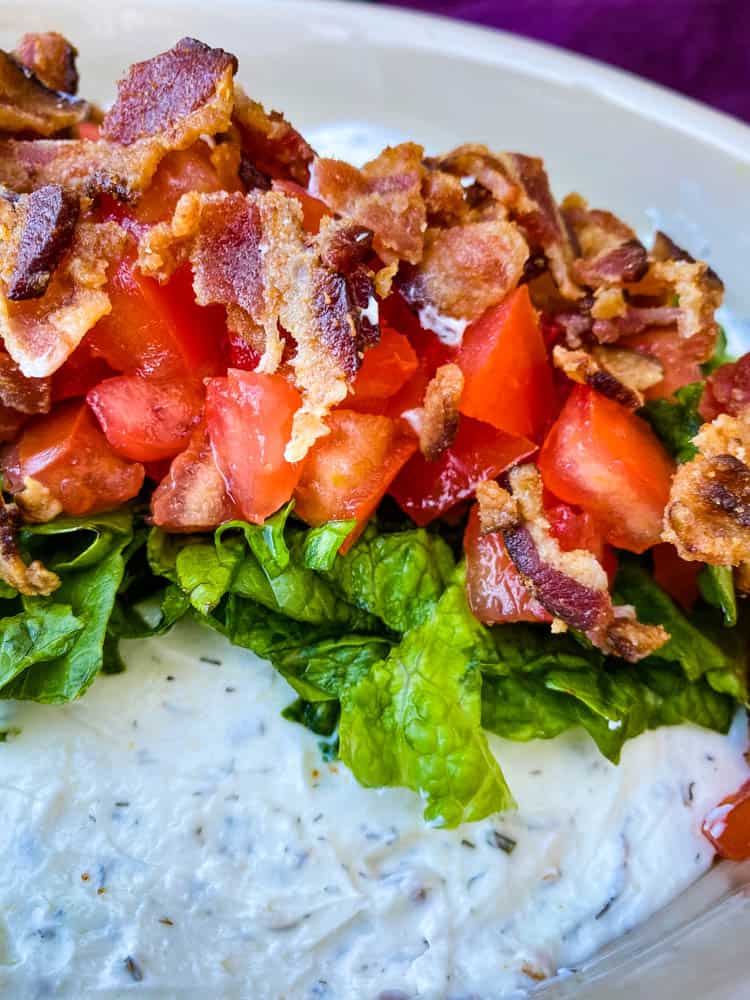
{"points": [[66, 452], [249, 417], [147, 419], [608, 461], [727, 826]]}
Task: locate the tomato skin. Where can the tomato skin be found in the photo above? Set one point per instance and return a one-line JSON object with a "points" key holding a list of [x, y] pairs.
{"points": [[602, 458], [240, 353], [67, 452], [347, 473], [249, 418], [11, 422], [494, 587], [507, 376], [680, 358], [727, 826], [425, 490], [676, 576], [147, 419], [727, 389], [81, 372], [313, 209], [158, 329], [386, 368]]}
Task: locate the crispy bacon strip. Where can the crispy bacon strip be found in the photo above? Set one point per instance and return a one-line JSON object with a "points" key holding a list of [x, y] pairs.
{"points": [[498, 510], [572, 586], [610, 252], [26, 105], [42, 231], [385, 196], [31, 580], [138, 131], [271, 145], [616, 372], [438, 419], [727, 390], [41, 333], [51, 58], [708, 514]]}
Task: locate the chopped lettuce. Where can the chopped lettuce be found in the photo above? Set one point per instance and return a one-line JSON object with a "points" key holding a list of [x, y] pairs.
{"points": [[677, 421], [716, 585]]}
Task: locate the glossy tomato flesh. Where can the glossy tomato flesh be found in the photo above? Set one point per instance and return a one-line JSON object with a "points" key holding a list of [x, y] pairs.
{"points": [[347, 472], [727, 826], [249, 417], [607, 461], [147, 419], [507, 375], [425, 490], [386, 368], [67, 452], [81, 372], [158, 329]]}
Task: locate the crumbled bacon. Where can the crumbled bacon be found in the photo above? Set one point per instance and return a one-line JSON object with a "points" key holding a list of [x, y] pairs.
{"points": [[26, 105], [498, 510], [615, 372], [465, 270], [193, 495], [270, 144], [727, 390], [572, 586], [29, 579], [610, 252], [385, 196], [37, 504], [438, 417], [708, 514], [42, 225], [41, 333], [51, 58], [26, 395]]}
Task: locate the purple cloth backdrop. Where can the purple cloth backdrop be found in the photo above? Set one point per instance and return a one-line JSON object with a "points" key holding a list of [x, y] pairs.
{"points": [[699, 47]]}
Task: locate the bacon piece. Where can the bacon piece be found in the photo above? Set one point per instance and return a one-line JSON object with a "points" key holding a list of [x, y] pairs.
{"points": [[572, 586], [26, 395], [498, 510], [193, 495], [610, 252], [26, 105], [45, 222], [708, 514], [385, 196], [159, 94], [271, 146], [197, 102], [476, 164], [727, 390], [37, 504], [438, 417], [41, 333], [51, 58], [465, 270], [615, 372], [31, 580]]}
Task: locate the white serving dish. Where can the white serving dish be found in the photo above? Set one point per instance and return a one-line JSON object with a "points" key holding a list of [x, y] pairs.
{"points": [[649, 155]]}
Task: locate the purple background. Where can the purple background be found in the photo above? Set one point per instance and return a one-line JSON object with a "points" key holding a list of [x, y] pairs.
{"points": [[699, 47]]}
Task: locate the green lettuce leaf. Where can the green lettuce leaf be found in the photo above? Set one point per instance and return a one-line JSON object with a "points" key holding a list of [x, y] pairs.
{"points": [[721, 355], [399, 577], [322, 544], [716, 584], [677, 421], [44, 631], [414, 719]]}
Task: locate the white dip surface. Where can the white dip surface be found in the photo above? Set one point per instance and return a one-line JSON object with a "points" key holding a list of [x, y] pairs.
{"points": [[170, 835]]}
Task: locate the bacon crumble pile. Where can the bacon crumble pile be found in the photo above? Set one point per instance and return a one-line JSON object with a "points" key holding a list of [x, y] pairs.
{"points": [[453, 236]]}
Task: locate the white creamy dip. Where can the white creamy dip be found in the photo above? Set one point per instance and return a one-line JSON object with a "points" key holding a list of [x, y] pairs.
{"points": [[170, 835]]}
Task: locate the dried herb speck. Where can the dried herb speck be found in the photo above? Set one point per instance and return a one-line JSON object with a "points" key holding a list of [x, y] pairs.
{"points": [[136, 972], [501, 841]]}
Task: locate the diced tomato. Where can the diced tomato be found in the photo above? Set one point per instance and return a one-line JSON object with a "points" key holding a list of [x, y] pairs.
{"points": [[507, 376], [147, 419], [727, 826], [347, 473], [604, 459], [677, 576], [424, 490], [192, 495], [313, 209], [494, 587], [681, 359], [11, 422], [727, 390], [574, 529], [156, 471], [386, 368], [67, 453], [241, 354], [158, 329], [88, 130], [178, 173], [249, 417], [81, 372]]}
